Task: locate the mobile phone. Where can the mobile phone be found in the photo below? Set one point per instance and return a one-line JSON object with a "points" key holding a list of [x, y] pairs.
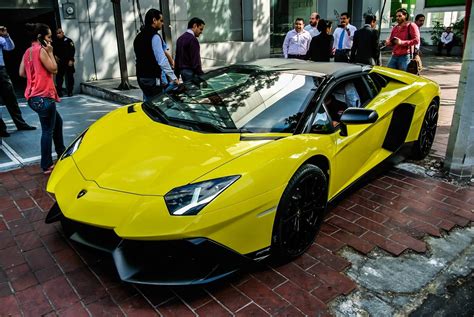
{"points": [[42, 41]]}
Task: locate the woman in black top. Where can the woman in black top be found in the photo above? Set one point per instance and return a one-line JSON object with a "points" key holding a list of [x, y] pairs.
{"points": [[320, 49]]}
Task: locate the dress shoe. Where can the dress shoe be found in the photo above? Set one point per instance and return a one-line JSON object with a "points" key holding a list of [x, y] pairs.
{"points": [[49, 170], [26, 127], [4, 134]]}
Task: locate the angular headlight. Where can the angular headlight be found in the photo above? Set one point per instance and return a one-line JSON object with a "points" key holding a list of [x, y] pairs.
{"points": [[73, 147], [190, 199]]}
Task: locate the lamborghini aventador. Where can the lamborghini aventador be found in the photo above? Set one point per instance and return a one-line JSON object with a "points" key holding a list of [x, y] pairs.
{"points": [[235, 166]]}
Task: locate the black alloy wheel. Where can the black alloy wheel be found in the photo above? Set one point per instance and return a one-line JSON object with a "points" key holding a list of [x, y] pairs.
{"points": [[427, 134], [300, 213]]}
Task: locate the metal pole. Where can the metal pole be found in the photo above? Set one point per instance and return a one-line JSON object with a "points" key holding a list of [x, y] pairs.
{"points": [[460, 153], [124, 84]]}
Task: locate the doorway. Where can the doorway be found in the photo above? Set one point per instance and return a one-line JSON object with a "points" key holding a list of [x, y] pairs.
{"points": [[15, 19]]}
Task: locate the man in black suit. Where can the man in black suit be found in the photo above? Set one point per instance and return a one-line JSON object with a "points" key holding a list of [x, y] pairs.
{"points": [[365, 49]]}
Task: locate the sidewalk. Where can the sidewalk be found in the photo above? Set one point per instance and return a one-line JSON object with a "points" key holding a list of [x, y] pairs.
{"points": [[391, 219]]}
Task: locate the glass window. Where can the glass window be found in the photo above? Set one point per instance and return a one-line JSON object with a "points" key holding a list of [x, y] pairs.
{"points": [[223, 19], [283, 15], [284, 103], [351, 93], [236, 99], [321, 123], [443, 18]]}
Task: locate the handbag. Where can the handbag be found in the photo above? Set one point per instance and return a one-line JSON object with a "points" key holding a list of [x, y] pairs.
{"points": [[414, 66]]}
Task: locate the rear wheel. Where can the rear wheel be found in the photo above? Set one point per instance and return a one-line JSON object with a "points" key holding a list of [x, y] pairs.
{"points": [[422, 146], [300, 213]]}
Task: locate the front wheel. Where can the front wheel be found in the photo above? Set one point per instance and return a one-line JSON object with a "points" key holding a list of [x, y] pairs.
{"points": [[422, 146], [300, 213]]}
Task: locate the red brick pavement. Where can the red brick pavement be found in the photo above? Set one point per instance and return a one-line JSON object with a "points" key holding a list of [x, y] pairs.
{"points": [[43, 274]]}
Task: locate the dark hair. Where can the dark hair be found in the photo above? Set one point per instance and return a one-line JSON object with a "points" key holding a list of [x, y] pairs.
{"points": [[150, 14], [299, 19], [33, 29], [318, 17], [323, 25], [369, 18], [418, 16], [196, 21], [403, 11], [346, 14]]}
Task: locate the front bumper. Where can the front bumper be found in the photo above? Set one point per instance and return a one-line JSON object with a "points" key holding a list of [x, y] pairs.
{"points": [[175, 262]]}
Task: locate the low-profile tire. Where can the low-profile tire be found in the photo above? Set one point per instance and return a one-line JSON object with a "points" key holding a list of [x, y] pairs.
{"points": [[422, 146], [300, 213]]}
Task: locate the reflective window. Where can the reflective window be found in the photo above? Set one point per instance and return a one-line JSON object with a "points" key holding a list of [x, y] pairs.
{"points": [[236, 99], [321, 123], [223, 19]]}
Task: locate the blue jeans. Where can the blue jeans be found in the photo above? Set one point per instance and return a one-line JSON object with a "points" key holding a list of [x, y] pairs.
{"points": [[399, 62], [51, 128]]}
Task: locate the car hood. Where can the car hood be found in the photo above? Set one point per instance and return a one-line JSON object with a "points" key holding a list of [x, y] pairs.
{"points": [[126, 151]]}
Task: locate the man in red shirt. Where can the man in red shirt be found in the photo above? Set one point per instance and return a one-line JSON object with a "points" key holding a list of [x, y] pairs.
{"points": [[404, 36]]}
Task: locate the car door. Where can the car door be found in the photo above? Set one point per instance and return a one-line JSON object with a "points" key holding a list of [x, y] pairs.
{"points": [[360, 150]]}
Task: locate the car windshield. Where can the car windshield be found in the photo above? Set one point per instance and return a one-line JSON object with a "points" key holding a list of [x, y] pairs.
{"points": [[236, 99]]}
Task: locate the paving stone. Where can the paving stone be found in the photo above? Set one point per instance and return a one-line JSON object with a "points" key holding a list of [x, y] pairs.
{"points": [[252, 310], [104, 307], [137, 306], [263, 296], [60, 293], [175, 308], [230, 297], [305, 280], [213, 308], [33, 302], [302, 300]]}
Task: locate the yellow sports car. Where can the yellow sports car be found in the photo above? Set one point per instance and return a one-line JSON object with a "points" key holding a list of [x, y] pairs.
{"points": [[234, 166]]}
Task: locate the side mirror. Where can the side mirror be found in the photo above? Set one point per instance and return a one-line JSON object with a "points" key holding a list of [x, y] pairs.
{"points": [[357, 116]]}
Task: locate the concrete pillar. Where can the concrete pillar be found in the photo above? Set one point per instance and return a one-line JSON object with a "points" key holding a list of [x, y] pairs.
{"points": [[460, 154]]}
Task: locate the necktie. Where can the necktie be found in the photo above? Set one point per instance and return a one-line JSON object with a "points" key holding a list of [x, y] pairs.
{"points": [[341, 39]]}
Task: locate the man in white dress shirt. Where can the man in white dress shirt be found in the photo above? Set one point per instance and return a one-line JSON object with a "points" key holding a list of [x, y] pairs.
{"points": [[343, 36], [446, 42], [312, 27], [296, 42]]}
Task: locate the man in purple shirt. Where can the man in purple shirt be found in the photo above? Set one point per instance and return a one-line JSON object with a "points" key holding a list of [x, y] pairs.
{"points": [[188, 51]]}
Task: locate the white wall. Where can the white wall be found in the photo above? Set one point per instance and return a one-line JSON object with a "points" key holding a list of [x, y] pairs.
{"points": [[229, 52], [99, 33]]}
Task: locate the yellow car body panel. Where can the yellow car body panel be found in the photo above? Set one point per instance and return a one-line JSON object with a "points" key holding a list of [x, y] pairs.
{"points": [[128, 162]]}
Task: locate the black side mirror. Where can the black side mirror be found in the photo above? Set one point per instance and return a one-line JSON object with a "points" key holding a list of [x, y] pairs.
{"points": [[357, 116]]}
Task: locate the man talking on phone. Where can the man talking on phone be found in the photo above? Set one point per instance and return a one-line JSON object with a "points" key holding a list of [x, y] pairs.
{"points": [[343, 36], [6, 88], [64, 50]]}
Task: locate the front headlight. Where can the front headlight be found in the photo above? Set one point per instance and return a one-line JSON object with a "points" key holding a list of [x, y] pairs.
{"points": [[73, 147], [190, 199]]}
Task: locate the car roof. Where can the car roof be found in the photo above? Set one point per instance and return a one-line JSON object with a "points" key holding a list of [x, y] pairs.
{"points": [[303, 67]]}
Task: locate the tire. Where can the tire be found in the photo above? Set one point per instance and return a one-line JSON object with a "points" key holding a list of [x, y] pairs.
{"points": [[300, 213], [422, 146]]}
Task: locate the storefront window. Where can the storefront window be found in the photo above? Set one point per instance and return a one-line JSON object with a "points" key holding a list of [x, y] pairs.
{"points": [[444, 18], [223, 19], [283, 14]]}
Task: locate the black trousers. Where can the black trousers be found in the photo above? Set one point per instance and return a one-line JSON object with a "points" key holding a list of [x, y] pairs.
{"points": [[68, 71], [342, 56], [448, 47], [9, 100]]}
